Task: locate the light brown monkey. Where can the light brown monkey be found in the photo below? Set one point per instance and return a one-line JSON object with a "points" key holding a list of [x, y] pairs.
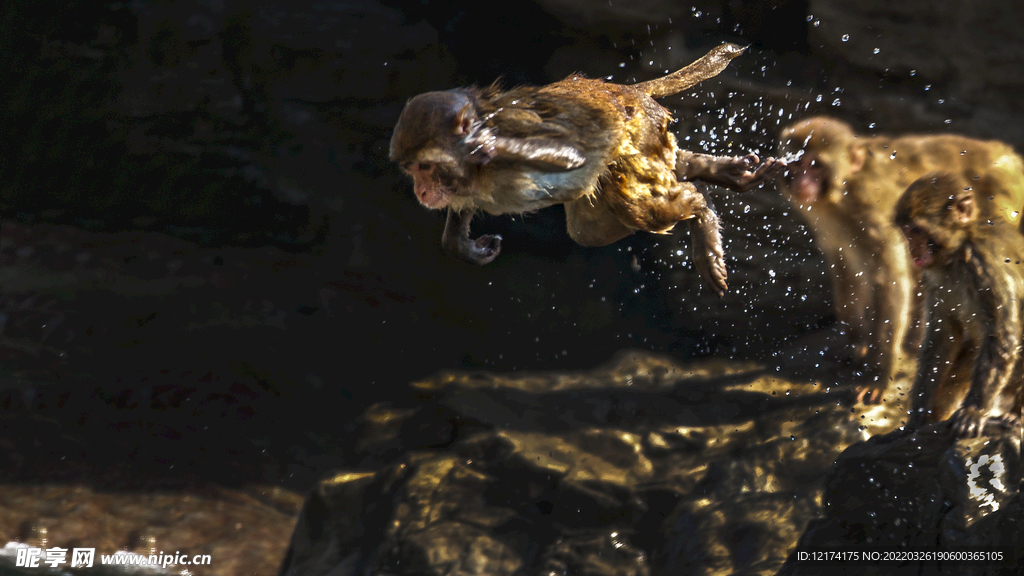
{"points": [[846, 185], [971, 367], [601, 149]]}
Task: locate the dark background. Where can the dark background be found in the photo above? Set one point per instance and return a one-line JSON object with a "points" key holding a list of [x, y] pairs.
{"points": [[210, 268]]}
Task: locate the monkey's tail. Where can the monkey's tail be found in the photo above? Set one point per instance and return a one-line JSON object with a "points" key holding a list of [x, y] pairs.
{"points": [[708, 66]]}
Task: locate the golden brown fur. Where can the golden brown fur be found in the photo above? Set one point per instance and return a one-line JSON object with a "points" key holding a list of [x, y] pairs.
{"points": [[604, 150], [846, 185], [971, 367]]}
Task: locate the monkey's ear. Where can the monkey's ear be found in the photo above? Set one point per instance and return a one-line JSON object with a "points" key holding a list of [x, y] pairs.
{"points": [[964, 207], [464, 120], [858, 154]]}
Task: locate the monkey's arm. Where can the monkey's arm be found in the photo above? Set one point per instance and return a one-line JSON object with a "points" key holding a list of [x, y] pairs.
{"points": [[542, 153], [938, 354], [733, 172], [995, 382], [526, 138], [456, 240]]}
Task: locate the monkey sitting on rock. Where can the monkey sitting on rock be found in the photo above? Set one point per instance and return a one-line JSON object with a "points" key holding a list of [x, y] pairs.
{"points": [[971, 367], [846, 186], [601, 149]]}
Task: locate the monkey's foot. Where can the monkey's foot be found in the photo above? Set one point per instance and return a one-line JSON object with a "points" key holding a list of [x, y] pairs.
{"points": [[969, 422], [708, 254], [746, 172], [710, 262], [737, 173]]}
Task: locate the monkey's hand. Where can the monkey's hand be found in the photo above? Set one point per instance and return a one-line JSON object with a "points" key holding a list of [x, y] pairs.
{"points": [[747, 172], [737, 173], [456, 240], [970, 422]]}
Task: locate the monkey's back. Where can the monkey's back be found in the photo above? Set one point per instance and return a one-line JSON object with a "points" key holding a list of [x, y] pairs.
{"points": [[975, 288], [990, 164], [640, 186]]}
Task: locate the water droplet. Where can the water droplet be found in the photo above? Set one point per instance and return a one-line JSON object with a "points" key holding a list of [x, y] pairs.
{"points": [[810, 17], [835, 102], [846, 37], [948, 121], [913, 72], [816, 23], [746, 209], [876, 50], [892, 156], [622, 64]]}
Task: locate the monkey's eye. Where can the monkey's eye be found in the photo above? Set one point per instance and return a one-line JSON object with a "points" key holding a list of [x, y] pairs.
{"points": [[423, 166]]}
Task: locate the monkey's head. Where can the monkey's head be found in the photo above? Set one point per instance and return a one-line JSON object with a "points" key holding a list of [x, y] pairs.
{"points": [[821, 153], [936, 214], [429, 143]]}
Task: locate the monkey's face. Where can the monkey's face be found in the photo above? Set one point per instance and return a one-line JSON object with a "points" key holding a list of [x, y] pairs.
{"points": [[430, 144], [807, 179], [935, 214], [922, 247], [434, 183], [821, 154]]}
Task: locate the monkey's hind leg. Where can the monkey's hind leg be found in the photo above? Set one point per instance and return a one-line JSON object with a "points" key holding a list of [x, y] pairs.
{"points": [[737, 173], [706, 238], [590, 223]]}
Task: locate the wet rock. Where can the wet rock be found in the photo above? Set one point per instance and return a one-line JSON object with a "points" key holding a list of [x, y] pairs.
{"points": [[243, 531], [923, 492], [648, 466], [641, 466], [603, 554]]}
